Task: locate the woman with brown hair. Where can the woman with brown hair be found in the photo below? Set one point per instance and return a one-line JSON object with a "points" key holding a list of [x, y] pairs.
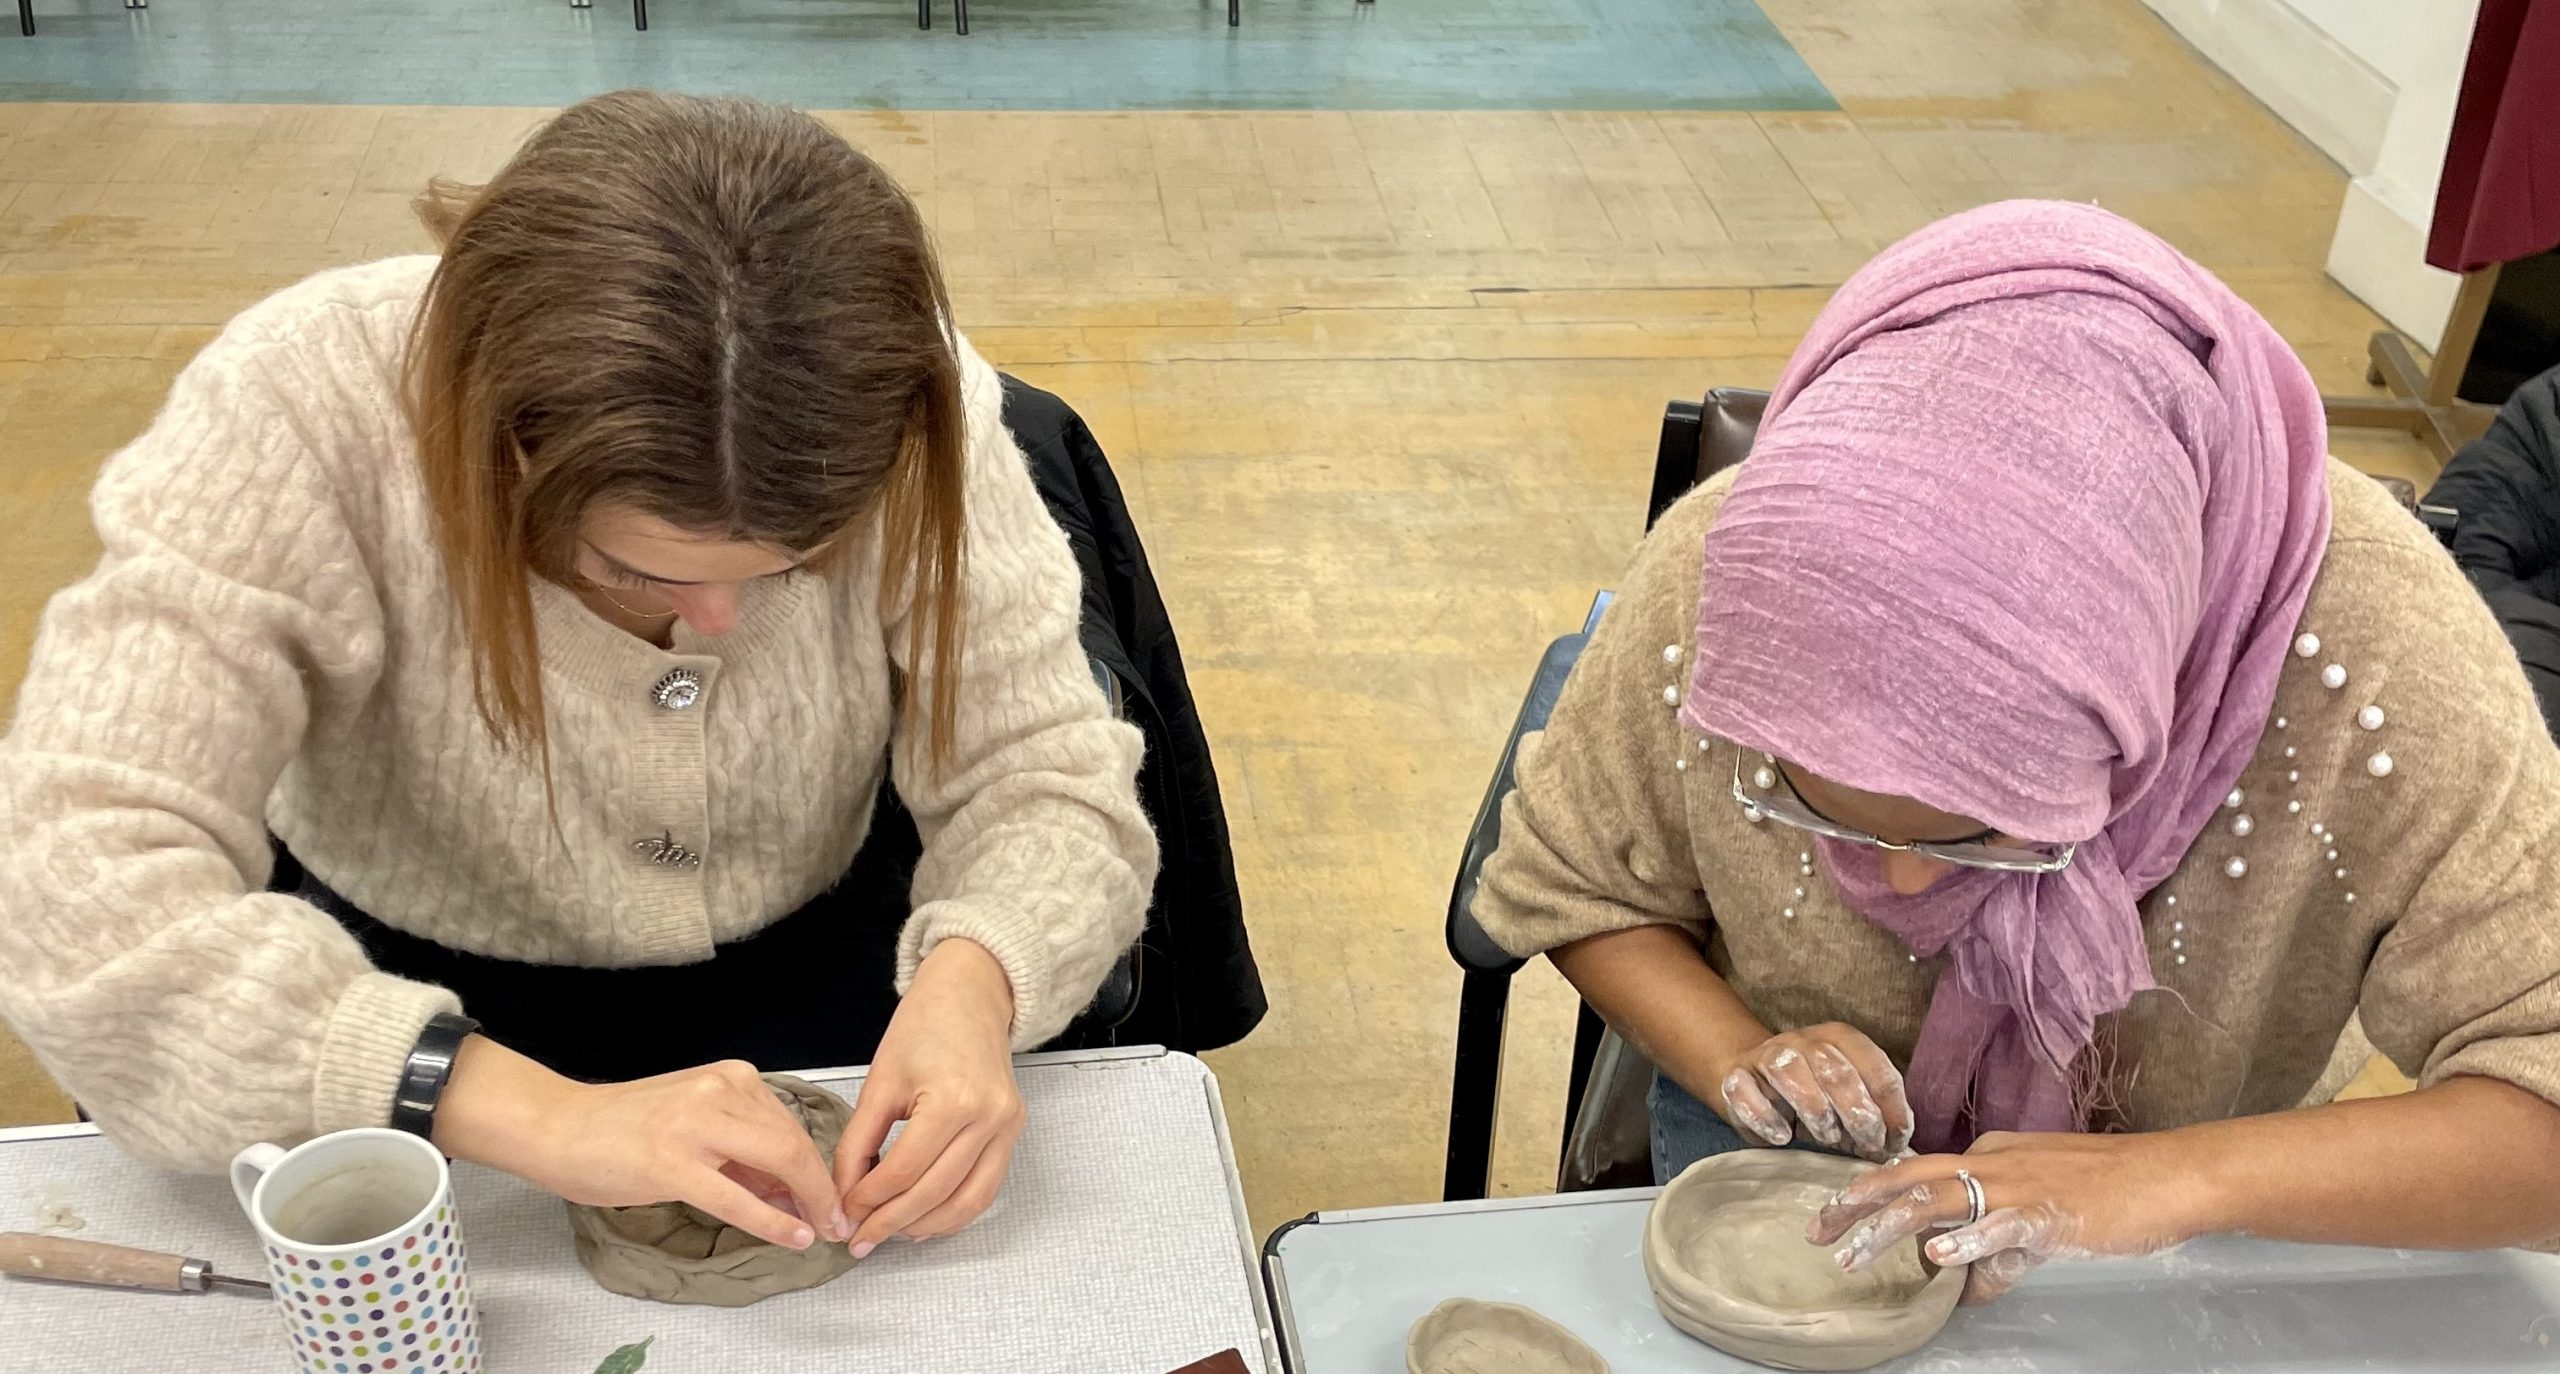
{"points": [[547, 614]]}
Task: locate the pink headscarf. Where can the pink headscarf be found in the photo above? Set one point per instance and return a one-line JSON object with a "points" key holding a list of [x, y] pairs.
{"points": [[2025, 537]]}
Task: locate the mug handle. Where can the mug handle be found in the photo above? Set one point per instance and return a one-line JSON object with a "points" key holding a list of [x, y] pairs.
{"points": [[249, 1166]]}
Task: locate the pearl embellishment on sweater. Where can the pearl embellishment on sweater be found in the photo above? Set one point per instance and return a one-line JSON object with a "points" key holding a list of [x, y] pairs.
{"points": [[2308, 646], [1670, 653], [2232, 802], [2379, 765], [1670, 696], [2237, 868], [2370, 717], [1763, 779], [2334, 676], [2241, 825]]}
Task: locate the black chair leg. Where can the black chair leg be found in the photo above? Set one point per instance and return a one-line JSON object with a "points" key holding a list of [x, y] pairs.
{"points": [[1235, 13], [27, 17], [1587, 1030], [960, 8], [640, 15], [1484, 1004], [924, 14]]}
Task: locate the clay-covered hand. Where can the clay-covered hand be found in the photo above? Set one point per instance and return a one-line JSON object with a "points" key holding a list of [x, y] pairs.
{"points": [[713, 1137], [945, 1067], [2048, 1196], [1831, 1082]]}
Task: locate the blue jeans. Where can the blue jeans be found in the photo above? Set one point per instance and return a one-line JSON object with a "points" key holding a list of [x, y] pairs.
{"points": [[1686, 1130]]}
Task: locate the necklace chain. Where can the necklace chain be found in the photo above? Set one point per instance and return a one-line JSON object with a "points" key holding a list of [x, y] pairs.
{"points": [[616, 602]]}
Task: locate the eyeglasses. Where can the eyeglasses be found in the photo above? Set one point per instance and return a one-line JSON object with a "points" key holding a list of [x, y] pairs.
{"points": [[1778, 800]]}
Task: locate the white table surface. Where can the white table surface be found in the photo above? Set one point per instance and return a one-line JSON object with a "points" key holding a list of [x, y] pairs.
{"points": [[1119, 1246], [1347, 1285]]}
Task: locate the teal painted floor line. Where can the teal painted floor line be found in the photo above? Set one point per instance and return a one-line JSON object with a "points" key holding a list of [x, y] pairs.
{"points": [[837, 54]]}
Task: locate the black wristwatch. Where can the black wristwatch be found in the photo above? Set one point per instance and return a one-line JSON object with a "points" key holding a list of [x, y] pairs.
{"points": [[413, 1106]]}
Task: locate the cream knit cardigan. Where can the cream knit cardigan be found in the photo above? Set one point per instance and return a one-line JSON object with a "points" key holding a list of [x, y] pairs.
{"points": [[269, 644]]}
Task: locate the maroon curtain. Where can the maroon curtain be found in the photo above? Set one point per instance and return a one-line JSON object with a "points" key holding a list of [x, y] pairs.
{"points": [[2500, 198]]}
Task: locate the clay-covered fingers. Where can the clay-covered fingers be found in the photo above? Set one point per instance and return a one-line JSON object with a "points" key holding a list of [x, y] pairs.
{"points": [[1787, 1067], [1853, 1100], [1997, 1273], [1753, 1114], [1927, 1206], [1882, 1083], [1880, 1210]]}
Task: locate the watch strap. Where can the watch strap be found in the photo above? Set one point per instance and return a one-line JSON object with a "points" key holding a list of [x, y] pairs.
{"points": [[430, 1067]]}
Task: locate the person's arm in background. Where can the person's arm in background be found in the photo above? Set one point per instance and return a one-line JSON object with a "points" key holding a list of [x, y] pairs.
{"points": [[1596, 870], [1038, 861], [2505, 486], [2463, 993]]}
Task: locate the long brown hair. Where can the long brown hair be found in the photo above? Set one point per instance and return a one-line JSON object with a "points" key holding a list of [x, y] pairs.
{"points": [[714, 311]]}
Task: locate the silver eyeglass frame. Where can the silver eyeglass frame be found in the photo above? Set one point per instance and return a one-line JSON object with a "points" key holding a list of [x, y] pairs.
{"points": [[1790, 810]]}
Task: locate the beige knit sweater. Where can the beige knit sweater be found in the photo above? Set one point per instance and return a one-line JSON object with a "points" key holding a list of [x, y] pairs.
{"points": [[269, 643], [2422, 892]]}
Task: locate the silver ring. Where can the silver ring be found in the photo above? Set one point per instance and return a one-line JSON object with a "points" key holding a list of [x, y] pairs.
{"points": [[1973, 1195]]}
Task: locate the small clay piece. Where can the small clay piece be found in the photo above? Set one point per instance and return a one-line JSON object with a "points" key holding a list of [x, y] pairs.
{"points": [[1463, 1336], [672, 1252], [1725, 1250]]}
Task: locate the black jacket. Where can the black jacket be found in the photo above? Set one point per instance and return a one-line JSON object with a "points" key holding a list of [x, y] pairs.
{"points": [[1198, 986], [2505, 488]]}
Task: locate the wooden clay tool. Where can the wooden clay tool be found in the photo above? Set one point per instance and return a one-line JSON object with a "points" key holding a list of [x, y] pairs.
{"points": [[65, 1260]]}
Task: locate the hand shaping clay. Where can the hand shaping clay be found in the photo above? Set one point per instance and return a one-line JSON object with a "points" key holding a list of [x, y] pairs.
{"points": [[672, 1252], [1726, 1254], [1463, 1336]]}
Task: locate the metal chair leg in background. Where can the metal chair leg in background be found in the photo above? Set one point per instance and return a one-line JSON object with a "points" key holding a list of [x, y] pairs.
{"points": [[27, 17], [640, 15], [924, 14], [1235, 13]]}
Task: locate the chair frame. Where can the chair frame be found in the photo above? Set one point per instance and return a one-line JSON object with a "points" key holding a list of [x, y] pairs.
{"points": [[1484, 997]]}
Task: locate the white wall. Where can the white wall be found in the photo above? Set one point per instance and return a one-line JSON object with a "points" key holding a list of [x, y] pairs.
{"points": [[2312, 61], [2372, 84], [2380, 248]]}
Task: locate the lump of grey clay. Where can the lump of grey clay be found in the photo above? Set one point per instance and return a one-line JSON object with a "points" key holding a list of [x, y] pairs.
{"points": [[1463, 1336], [672, 1252], [1725, 1251]]}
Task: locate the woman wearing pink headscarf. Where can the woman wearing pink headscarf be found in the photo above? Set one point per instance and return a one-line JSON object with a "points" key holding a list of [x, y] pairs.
{"points": [[2057, 752]]}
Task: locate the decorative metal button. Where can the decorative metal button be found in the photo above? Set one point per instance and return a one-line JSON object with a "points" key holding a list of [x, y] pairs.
{"points": [[678, 690], [663, 851]]}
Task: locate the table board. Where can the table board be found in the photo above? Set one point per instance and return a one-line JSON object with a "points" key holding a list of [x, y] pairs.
{"points": [[1345, 1287], [1119, 1246]]}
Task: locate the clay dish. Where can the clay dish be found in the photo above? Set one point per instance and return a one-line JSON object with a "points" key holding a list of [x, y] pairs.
{"points": [[1463, 1336], [1725, 1251]]}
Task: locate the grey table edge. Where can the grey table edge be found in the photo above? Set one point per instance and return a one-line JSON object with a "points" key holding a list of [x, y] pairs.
{"points": [[1279, 1313], [1257, 1293]]}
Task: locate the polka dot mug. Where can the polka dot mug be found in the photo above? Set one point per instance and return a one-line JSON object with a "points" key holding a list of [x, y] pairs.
{"points": [[365, 1253]]}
